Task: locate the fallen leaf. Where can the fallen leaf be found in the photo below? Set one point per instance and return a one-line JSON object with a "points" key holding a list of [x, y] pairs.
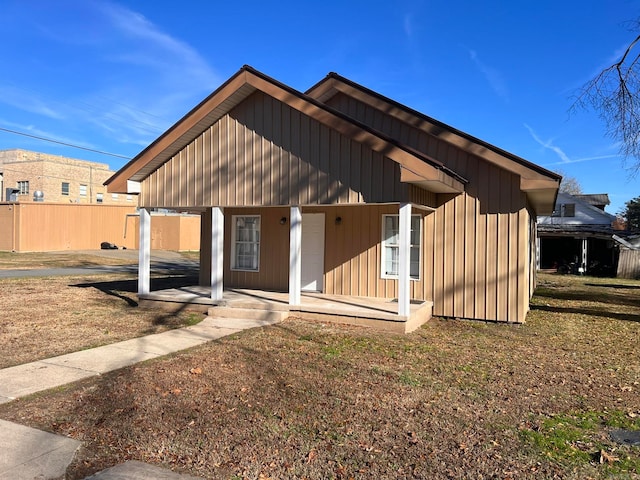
{"points": [[311, 456], [195, 371], [607, 457]]}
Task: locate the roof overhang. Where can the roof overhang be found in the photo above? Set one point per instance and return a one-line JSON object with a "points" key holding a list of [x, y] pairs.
{"points": [[424, 171], [539, 184]]}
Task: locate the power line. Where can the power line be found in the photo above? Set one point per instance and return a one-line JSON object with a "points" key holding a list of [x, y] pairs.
{"points": [[65, 144]]}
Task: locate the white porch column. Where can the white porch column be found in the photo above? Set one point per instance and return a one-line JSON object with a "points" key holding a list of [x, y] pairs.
{"points": [[295, 253], [144, 252], [584, 255], [404, 260], [217, 253]]}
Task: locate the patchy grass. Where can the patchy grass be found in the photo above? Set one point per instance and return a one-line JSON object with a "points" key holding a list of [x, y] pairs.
{"points": [[579, 438], [46, 317], [455, 399]]}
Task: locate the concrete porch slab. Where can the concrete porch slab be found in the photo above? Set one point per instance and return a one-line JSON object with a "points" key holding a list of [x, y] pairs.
{"points": [[365, 311]]}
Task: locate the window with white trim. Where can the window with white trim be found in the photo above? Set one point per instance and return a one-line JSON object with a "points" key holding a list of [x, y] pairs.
{"points": [[391, 247], [245, 242], [99, 197], [65, 188], [83, 190]]}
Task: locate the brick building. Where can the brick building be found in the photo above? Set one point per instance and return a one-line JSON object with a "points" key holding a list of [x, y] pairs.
{"points": [[60, 179]]}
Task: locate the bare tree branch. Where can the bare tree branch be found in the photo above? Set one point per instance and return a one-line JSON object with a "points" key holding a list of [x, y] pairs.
{"points": [[613, 93]]}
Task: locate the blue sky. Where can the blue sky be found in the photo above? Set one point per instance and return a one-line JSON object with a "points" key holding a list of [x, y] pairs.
{"points": [[112, 76]]}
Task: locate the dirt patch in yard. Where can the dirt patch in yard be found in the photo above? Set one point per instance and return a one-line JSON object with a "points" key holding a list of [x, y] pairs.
{"points": [[456, 399]]}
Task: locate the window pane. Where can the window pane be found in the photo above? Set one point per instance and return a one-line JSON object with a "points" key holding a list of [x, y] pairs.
{"points": [[391, 250], [247, 243], [415, 230], [414, 266], [65, 188], [391, 229], [391, 260]]}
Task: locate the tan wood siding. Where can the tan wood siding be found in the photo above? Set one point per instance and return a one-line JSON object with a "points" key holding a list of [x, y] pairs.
{"points": [[273, 272], [266, 153], [480, 239], [353, 252]]}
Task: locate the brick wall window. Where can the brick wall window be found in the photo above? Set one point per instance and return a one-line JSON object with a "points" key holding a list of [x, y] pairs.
{"points": [[65, 188], [23, 187], [99, 197], [83, 190]]}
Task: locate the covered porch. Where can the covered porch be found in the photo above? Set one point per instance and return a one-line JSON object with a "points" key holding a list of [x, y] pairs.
{"points": [[397, 307]]}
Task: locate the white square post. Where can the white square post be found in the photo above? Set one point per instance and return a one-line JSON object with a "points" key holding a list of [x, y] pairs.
{"points": [[404, 260], [217, 253], [295, 253], [144, 252], [583, 264]]}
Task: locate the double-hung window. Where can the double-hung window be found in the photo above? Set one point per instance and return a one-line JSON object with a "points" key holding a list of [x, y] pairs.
{"points": [[65, 188], [391, 247], [245, 243]]}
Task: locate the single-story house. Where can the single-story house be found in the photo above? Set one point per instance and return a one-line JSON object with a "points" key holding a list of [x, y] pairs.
{"points": [[342, 191]]}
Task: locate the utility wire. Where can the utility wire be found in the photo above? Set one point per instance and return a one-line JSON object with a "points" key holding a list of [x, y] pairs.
{"points": [[65, 144]]}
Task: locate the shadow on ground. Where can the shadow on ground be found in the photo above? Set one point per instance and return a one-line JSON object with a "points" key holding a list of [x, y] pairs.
{"points": [[630, 317], [126, 290]]}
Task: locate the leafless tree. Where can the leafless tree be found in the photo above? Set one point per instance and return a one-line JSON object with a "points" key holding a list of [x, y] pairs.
{"points": [[569, 184], [613, 93]]}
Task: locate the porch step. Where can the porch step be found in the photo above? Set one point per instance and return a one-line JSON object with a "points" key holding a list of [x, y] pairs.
{"points": [[269, 316]]}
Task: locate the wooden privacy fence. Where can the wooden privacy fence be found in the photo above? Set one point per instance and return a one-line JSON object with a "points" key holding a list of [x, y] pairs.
{"points": [[42, 227], [629, 263]]}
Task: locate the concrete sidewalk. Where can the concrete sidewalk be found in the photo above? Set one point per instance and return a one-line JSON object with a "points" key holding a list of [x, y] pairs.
{"points": [[27, 453]]}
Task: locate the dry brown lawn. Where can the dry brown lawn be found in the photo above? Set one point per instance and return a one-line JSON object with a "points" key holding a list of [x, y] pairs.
{"points": [[33, 260], [456, 399], [45, 317]]}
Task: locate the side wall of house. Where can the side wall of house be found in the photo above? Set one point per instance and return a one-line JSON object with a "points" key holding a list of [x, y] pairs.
{"points": [[479, 243]]}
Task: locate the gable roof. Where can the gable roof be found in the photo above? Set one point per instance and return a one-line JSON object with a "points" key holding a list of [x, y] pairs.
{"points": [[416, 167], [586, 214], [595, 199], [540, 184]]}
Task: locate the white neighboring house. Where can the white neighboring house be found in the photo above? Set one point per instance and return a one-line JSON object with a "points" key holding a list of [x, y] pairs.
{"points": [[578, 236]]}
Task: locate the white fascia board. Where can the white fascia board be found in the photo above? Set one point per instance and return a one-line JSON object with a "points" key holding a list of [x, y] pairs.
{"points": [[133, 187]]}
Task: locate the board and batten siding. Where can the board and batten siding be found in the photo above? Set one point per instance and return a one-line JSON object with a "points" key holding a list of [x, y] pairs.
{"points": [[480, 241], [265, 153], [352, 256]]}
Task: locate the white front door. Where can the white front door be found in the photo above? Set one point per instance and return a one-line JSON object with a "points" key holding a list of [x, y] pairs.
{"points": [[312, 251]]}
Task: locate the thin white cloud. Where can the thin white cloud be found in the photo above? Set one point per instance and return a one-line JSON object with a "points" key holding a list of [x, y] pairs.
{"points": [[493, 76], [28, 102], [564, 158], [37, 132], [583, 159], [156, 49], [408, 25], [549, 145]]}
